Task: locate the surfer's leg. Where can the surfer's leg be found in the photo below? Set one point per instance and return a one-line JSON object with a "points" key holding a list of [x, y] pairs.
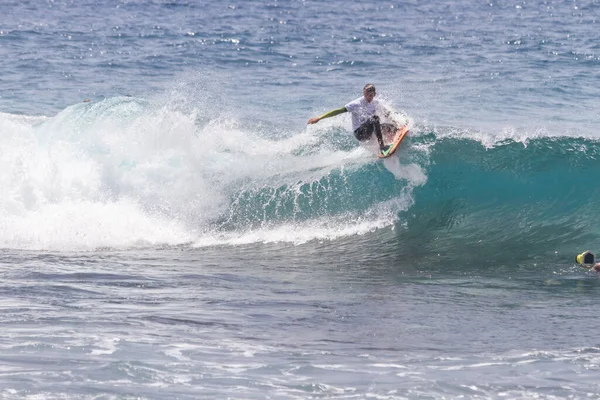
{"points": [[388, 129], [363, 133], [375, 121]]}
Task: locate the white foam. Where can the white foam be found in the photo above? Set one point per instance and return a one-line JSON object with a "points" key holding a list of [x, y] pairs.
{"points": [[491, 139], [105, 346], [325, 229], [124, 173]]}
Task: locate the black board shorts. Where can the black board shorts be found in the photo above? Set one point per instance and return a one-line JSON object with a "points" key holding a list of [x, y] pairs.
{"points": [[367, 129]]}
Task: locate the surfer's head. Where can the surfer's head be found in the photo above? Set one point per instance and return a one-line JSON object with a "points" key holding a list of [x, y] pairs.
{"points": [[369, 92], [587, 259]]}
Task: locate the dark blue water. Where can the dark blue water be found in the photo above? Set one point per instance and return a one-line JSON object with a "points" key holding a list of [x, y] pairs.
{"points": [[172, 228]]}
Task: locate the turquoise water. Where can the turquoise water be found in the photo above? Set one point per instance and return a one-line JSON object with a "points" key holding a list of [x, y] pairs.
{"points": [[182, 233]]}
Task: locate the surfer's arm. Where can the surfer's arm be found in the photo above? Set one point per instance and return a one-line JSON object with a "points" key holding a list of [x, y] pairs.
{"points": [[396, 117], [331, 113]]}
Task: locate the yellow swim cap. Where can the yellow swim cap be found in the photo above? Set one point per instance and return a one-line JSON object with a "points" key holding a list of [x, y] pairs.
{"points": [[586, 258]]}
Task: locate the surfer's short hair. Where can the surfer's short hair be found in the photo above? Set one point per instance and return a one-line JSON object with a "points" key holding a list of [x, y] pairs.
{"points": [[369, 87]]}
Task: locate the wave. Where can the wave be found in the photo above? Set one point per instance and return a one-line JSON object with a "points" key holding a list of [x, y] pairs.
{"points": [[515, 198], [127, 172]]}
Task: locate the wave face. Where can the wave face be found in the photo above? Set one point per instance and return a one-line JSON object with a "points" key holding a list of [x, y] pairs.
{"points": [[513, 199], [128, 172]]}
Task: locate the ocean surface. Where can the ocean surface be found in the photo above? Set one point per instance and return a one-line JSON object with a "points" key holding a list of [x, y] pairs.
{"points": [[171, 228]]}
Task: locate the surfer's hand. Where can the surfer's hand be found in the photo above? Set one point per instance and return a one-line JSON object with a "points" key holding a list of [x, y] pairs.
{"points": [[313, 120]]}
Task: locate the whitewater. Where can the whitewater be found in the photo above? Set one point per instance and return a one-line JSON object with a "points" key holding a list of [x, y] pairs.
{"points": [[169, 178]]}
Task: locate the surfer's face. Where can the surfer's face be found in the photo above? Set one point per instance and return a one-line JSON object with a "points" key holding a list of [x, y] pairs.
{"points": [[369, 95]]}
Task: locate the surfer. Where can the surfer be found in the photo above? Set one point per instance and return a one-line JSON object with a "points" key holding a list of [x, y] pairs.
{"points": [[365, 118], [587, 259]]}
